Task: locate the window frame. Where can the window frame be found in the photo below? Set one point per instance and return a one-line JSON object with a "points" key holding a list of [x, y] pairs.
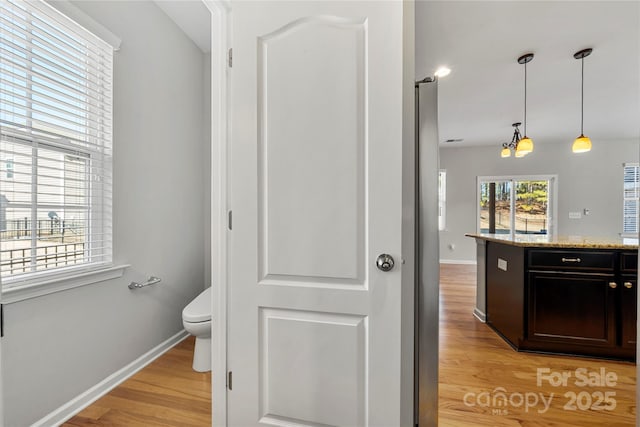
{"points": [[98, 218], [625, 199], [552, 207]]}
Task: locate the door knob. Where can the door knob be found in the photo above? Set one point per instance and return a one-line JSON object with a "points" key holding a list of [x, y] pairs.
{"points": [[385, 262], [628, 285], [613, 285]]}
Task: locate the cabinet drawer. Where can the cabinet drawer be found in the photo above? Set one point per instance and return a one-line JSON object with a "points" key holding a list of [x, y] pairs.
{"points": [[629, 262], [599, 261]]}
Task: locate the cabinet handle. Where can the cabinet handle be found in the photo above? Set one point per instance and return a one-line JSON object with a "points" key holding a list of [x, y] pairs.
{"points": [[628, 285], [571, 260], [613, 285]]}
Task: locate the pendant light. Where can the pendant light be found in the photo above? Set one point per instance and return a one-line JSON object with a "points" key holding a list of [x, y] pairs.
{"points": [[582, 144], [525, 145], [508, 146]]}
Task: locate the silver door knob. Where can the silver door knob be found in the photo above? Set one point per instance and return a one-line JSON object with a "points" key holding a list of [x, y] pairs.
{"points": [[385, 262]]}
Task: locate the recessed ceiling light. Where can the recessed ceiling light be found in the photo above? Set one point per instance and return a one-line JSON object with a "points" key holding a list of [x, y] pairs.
{"points": [[442, 72]]}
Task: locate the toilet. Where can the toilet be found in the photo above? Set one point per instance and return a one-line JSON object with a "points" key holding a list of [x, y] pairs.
{"points": [[196, 318]]}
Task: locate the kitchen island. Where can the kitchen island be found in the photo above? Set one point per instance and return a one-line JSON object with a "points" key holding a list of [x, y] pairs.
{"points": [[571, 295]]}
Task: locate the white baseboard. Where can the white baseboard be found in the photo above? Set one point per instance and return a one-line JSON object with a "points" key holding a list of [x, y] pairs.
{"points": [[480, 315], [459, 261], [81, 401]]}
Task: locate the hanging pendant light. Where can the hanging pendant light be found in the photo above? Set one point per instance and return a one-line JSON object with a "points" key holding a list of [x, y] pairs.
{"points": [[513, 144], [525, 145], [582, 144]]}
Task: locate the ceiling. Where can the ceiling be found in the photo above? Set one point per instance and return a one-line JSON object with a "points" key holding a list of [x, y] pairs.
{"points": [[193, 18], [481, 41], [484, 94]]}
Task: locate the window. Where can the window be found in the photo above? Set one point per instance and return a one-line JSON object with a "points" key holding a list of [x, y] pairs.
{"points": [[631, 193], [516, 205], [55, 127], [442, 199], [9, 167]]}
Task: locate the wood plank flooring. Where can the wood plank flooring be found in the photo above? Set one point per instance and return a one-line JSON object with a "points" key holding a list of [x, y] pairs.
{"points": [[473, 359], [167, 392]]}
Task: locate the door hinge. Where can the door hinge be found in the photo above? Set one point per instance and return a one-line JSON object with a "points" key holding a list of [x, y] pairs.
{"points": [[1, 320], [230, 220], [230, 380], [230, 57]]}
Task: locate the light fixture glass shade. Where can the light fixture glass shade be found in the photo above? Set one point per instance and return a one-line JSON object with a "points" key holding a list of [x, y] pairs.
{"points": [[520, 153], [525, 145], [582, 144], [442, 72], [505, 152]]}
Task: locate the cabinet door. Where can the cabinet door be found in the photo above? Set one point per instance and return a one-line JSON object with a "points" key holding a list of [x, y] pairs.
{"points": [[576, 309], [628, 309]]}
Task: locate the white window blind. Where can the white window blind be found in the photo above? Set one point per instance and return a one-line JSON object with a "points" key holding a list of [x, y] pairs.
{"points": [[631, 193], [56, 133]]}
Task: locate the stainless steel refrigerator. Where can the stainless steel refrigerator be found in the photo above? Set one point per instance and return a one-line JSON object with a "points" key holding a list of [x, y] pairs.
{"points": [[427, 248]]}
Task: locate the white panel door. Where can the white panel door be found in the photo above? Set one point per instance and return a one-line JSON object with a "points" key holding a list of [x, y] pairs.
{"points": [[316, 193], [1, 365]]}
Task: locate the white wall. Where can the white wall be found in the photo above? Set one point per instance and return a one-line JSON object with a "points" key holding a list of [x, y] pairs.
{"points": [[591, 180], [59, 345]]}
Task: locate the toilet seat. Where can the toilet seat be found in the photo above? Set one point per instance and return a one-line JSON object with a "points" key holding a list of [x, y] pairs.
{"points": [[198, 310]]}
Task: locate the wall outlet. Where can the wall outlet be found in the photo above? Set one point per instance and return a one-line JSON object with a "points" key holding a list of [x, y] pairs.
{"points": [[575, 215]]}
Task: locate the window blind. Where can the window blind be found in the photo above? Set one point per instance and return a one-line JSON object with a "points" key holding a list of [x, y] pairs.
{"points": [[631, 194], [55, 143]]}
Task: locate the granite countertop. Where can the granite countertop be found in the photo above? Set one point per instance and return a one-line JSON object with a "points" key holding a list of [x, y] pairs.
{"points": [[546, 241]]}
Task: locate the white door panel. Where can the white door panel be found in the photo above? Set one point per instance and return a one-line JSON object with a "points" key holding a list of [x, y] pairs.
{"points": [[1, 370], [300, 139], [328, 362], [316, 193]]}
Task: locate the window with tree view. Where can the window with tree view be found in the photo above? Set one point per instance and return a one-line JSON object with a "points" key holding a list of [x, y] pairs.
{"points": [[55, 133], [513, 205], [630, 199]]}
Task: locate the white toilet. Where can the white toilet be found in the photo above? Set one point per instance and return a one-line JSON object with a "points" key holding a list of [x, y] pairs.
{"points": [[196, 318]]}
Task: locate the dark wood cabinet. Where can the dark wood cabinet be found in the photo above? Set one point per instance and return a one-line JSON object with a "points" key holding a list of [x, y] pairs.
{"points": [[575, 309], [628, 299], [628, 310], [572, 301], [629, 262], [573, 260], [505, 292]]}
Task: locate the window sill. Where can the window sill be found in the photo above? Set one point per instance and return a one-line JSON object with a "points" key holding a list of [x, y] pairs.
{"points": [[52, 285]]}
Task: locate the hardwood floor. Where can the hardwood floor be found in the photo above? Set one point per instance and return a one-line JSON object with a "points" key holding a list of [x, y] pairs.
{"points": [[167, 392], [475, 362]]}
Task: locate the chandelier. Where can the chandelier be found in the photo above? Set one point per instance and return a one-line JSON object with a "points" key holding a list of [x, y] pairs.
{"points": [[507, 147]]}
